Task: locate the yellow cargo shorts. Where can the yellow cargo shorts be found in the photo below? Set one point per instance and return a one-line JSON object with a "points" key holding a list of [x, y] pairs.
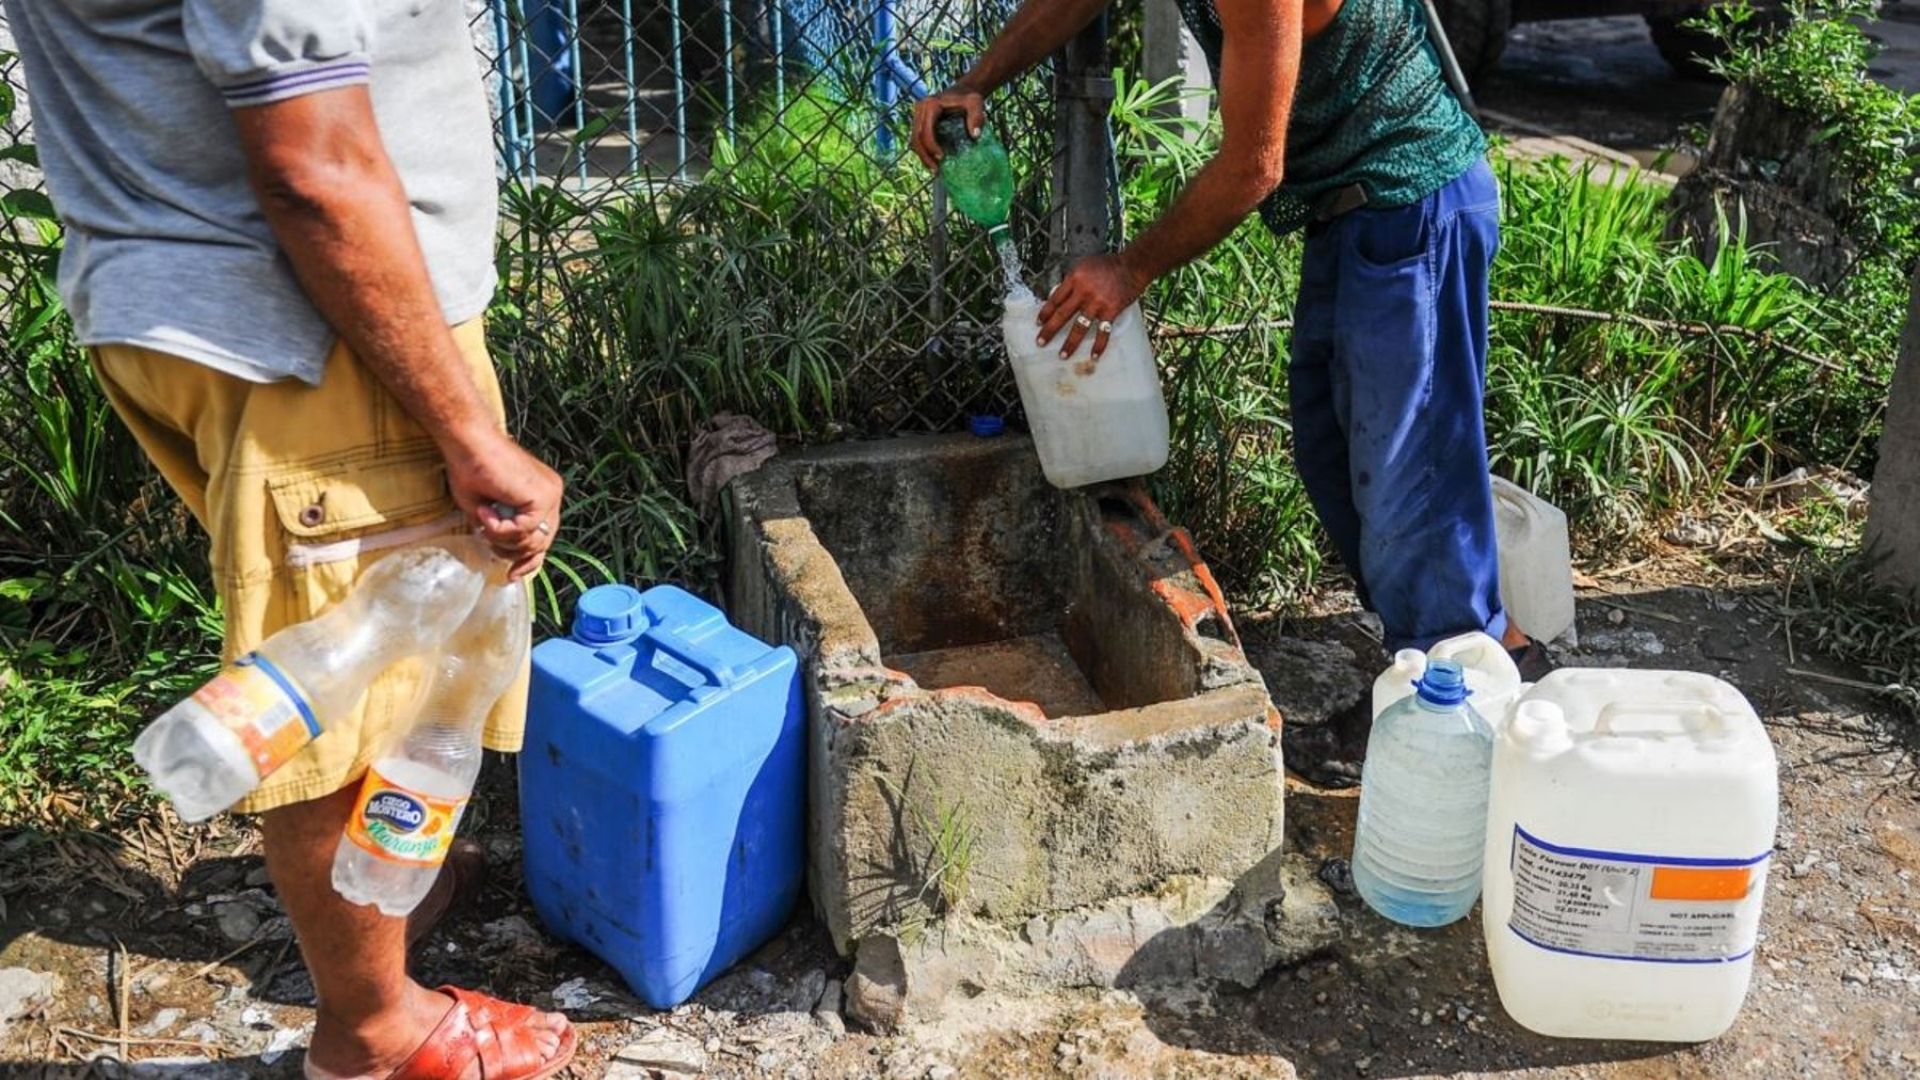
{"points": [[298, 487]]}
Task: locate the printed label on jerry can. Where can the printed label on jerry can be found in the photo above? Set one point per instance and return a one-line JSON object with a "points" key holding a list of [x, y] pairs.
{"points": [[404, 826], [1618, 905], [261, 705]]}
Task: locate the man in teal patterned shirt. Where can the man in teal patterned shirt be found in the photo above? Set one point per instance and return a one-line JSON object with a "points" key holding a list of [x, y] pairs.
{"points": [[1335, 118]]}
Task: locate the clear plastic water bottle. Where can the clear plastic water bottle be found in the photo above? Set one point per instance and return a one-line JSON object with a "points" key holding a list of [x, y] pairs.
{"points": [[210, 750], [416, 791], [1423, 803]]}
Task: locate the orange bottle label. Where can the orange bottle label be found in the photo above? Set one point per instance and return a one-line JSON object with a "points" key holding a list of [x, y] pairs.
{"points": [[403, 826], [263, 709]]}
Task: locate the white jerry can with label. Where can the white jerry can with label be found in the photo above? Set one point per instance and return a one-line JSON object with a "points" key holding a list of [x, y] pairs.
{"points": [[1629, 830], [1493, 680]]}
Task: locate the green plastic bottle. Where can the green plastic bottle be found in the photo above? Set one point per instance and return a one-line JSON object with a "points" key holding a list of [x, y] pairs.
{"points": [[978, 177]]}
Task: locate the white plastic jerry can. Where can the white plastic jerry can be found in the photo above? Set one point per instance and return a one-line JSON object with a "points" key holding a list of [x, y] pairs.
{"points": [[1091, 421], [1536, 562], [1629, 831], [1493, 681]]}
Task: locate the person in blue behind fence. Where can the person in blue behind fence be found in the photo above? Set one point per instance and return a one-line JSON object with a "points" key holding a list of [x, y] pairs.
{"points": [[1336, 119]]}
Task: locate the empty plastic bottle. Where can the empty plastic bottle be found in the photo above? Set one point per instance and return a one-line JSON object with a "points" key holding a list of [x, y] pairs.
{"points": [[1423, 803], [978, 177], [413, 796], [210, 750]]}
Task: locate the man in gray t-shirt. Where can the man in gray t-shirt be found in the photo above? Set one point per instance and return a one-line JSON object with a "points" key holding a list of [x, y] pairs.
{"points": [[279, 226]]}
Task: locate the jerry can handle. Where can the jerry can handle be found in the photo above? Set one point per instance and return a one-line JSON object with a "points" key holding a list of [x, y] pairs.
{"points": [[676, 646], [1712, 720]]}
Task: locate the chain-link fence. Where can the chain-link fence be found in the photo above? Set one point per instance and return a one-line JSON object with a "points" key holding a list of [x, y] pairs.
{"points": [[792, 114], [613, 101]]}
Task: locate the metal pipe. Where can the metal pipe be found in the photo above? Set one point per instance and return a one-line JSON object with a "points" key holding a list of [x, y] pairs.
{"points": [[774, 20], [530, 161], [1082, 164], [885, 93], [726, 60]]}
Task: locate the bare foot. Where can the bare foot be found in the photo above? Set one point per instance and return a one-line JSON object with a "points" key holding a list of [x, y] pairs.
{"points": [[374, 1049]]}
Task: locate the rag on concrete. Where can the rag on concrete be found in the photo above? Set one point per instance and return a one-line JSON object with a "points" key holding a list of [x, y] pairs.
{"points": [[726, 446]]}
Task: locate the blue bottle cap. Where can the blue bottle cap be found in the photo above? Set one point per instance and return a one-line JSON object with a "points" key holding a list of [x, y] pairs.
{"points": [[986, 426], [1444, 683], [609, 614]]}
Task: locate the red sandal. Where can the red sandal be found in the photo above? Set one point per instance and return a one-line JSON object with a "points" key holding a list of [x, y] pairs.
{"points": [[487, 1029]]}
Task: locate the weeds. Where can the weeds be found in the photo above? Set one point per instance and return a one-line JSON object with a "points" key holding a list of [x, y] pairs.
{"points": [[945, 871], [1832, 603], [1619, 420]]}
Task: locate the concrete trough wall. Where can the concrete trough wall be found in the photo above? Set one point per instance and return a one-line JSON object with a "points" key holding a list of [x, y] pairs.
{"points": [[1024, 702]]}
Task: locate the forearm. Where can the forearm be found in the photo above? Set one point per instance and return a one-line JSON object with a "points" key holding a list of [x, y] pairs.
{"points": [[1260, 67], [1213, 204], [344, 223], [1037, 30]]}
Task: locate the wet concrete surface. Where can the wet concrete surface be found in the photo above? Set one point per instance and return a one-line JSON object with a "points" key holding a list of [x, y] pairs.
{"points": [[1037, 668]]}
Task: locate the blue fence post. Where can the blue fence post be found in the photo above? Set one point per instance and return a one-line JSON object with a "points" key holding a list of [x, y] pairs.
{"points": [[627, 44], [527, 120], [774, 19], [884, 91], [891, 74], [726, 60], [679, 92], [511, 149], [574, 68]]}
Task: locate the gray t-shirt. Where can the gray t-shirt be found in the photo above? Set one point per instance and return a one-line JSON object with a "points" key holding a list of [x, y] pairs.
{"points": [[166, 246]]}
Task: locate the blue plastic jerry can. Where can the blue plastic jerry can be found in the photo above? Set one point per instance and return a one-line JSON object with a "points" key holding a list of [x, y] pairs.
{"points": [[663, 788]]}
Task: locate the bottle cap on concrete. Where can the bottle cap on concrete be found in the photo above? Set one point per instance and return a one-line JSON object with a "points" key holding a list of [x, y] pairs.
{"points": [[987, 426], [608, 615]]}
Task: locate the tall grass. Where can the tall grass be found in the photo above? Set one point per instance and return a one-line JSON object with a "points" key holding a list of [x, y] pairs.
{"points": [[103, 608], [1621, 419]]}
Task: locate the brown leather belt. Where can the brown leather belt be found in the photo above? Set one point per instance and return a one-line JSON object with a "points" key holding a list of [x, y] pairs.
{"points": [[1340, 201]]}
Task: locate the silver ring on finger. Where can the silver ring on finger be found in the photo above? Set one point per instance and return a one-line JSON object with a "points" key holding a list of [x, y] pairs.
{"points": [[1083, 320], [543, 528], [1106, 326]]}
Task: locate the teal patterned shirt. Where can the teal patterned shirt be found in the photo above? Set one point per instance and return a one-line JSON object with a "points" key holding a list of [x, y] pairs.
{"points": [[1372, 108]]}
